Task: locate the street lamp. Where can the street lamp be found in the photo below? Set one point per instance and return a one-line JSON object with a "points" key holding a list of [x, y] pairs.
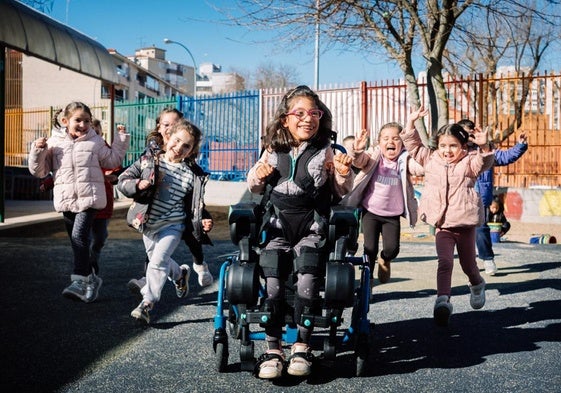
{"points": [[168, 41]]}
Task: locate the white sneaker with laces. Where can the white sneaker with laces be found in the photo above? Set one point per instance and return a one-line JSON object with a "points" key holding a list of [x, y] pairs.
{"points": [[205, 278], [490, 267]]}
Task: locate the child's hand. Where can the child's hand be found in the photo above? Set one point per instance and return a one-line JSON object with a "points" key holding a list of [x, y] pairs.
{"points": [[40, 142], [416, 115], [361, 140], [263, 170], [121, 128], [480, 137], [523, 138], [208, 224], [342, 163], [143, 184]]}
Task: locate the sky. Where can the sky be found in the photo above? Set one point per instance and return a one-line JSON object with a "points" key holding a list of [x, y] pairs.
{"points": [[126, 25]]}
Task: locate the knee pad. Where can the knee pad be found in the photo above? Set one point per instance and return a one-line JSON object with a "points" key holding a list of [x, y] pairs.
{"points": [[311, 260], [275, 263]]}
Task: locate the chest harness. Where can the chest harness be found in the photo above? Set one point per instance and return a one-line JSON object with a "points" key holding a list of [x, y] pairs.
{"points": [[296, 213]]}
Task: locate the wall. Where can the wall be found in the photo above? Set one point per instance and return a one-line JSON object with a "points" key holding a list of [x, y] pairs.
{"points": [[532, 205]]}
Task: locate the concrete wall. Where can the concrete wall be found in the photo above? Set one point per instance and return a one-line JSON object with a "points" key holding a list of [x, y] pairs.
{"points": [[532, 204]]}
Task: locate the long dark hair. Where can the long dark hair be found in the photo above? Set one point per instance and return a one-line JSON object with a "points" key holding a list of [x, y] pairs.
{"points": [[278, 138]]}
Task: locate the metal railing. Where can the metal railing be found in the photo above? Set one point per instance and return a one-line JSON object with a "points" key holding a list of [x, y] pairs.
{"points": [[234, 123]]}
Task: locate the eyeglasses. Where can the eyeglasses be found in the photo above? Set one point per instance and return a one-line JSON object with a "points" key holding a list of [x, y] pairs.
{"points": [[302, 113]]}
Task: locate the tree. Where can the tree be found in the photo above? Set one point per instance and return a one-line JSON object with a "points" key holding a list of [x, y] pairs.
{"points": [[270, 75], [517, 36], [391, 27]]}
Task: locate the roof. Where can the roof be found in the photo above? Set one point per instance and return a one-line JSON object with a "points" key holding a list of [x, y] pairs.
{"points": [[33, 33]]}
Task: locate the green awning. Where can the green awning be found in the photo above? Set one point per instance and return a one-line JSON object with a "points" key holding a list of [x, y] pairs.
{"points": [[24, 29]]}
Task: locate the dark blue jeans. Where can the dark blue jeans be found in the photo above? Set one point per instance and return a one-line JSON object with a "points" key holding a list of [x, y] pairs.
{"points": [[483, 240], [79, 226]]}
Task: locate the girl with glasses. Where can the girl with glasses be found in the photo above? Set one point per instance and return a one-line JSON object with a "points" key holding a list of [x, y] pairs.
{"points": [[302, 176]]}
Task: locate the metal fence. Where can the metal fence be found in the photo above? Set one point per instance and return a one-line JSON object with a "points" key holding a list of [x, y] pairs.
{"points": [[233, 123]]}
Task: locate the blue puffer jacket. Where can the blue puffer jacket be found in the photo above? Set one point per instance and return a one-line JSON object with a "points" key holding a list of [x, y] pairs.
{"points": [[484, 183]]}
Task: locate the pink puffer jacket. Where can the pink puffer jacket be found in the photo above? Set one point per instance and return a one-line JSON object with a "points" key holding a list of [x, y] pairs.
{"points": [[76, 166], [448, 199]]}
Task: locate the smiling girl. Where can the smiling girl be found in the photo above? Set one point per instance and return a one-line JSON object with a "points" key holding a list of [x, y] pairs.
{"points": [[75, 155], [384, 190], [305, 175], [169, 209], [450, 203]]}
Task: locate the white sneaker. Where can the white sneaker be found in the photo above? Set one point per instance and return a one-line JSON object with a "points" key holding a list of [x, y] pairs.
{"points": [[205, 278], [490, 267], [300, 363], [442, 310], [272, 363], [477, 297]]}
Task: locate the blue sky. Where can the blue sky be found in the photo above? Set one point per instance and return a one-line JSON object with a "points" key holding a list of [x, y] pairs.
{"points": [[125, 25]]}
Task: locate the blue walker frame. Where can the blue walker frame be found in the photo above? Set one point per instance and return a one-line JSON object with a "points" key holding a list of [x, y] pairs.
{"points": [[357, 333]]}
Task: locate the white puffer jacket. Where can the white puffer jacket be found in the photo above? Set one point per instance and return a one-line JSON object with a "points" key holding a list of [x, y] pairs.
{"points": [[76, 166]]}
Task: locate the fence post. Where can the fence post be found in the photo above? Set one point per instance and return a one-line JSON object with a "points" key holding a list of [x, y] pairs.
{"points": [[480, 111], [364, 105]]}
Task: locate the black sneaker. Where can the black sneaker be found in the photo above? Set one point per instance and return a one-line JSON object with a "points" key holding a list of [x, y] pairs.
{"points": [[182, 285]]}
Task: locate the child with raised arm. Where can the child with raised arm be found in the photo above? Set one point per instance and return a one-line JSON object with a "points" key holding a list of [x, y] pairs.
{"points": [[484, 186], [450, 203], [75, 155], [165, 186], [384, 190], [195, 238], [298, 143]]}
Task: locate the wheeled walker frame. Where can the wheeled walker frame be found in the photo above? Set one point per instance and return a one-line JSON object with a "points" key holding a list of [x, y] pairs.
{"points": [[241, 288]]}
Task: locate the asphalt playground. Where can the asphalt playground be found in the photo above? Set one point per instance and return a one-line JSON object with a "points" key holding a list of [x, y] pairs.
{"points": [[52, 344]]}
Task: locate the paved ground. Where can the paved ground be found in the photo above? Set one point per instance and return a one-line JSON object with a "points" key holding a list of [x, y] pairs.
{"points": [[52, 344]]}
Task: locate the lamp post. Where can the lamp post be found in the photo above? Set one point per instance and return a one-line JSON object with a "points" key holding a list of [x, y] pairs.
{"points": [[168, 41]]}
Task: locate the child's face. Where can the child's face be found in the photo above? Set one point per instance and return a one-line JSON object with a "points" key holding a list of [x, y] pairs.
{"points": [[78, 123], [450, 148], [166, 121], [179, 146], [494, 208], [301, 120], [390, 143]]}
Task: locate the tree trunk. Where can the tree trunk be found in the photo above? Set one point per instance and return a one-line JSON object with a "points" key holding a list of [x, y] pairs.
{"points": [[438, 99]]}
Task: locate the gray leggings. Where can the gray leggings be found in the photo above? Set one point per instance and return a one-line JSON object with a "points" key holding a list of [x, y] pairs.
{"points": [[306, 287]]}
